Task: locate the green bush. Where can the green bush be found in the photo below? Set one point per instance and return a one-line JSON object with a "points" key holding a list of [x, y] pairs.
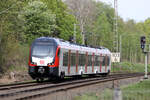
{"points": [[13, 55], [129, 67]]}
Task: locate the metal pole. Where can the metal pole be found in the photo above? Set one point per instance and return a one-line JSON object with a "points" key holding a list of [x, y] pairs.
{"points": [[74, 35], [120, 48], [145, 77], [116, 25], [82, 33]]}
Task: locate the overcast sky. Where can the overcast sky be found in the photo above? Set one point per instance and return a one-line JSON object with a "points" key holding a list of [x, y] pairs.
{"points": [[139, 10]]}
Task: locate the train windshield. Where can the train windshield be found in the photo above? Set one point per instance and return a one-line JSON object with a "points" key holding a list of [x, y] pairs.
{"points": [[43, 51]]}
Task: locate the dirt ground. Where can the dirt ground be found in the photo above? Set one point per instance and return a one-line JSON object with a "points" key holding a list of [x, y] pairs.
{"points": [[14, 77]]}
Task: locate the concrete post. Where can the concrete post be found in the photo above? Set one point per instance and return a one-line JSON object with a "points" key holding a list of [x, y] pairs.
{"points": [[120, 48], [117, 94], [146, 77]]}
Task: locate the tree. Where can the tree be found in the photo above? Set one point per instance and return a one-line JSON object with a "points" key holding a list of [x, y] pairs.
{"points": [[83, 10], [130, 34], [101, 28], [37, 20], [10, 36], [64, 20], [146, 26]]}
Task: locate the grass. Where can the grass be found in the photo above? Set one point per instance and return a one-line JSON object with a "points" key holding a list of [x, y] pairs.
{"points": [[96, 96], [139, 91], [18, 69], [128, 67], [91, 96], [18, 61]]}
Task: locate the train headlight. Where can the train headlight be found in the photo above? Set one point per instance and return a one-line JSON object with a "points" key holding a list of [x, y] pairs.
{"points": [[33, 63], [50, 63]]}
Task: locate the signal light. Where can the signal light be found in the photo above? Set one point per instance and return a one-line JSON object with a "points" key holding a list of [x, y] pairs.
{"points": [[143, 41]]}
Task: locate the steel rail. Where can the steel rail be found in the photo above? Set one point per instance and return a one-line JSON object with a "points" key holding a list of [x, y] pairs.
{"points": [[82, 84], [73, 84]]}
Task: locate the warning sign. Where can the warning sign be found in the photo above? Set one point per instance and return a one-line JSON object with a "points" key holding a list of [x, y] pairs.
{"points": [[115, 57]]}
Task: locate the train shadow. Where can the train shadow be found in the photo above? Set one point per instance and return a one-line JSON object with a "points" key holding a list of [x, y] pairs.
{"points": [[58, 80]]}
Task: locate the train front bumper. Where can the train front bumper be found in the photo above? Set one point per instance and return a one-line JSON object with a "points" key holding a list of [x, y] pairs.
{"points": [[43, 72]]}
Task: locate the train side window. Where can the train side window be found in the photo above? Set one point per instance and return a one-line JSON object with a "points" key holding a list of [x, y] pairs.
{"points": [[108, 60], [93, 60], [82, 59], [103, 60], [58, 52], [65, 59], [73, 59], [89, 60], [97, 60]]}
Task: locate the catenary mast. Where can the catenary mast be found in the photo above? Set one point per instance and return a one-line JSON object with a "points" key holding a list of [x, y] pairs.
{"points": [[115, 26]]}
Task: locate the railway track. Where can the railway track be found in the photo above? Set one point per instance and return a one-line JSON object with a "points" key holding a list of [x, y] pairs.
{"points": [[38, 90], [34, 83], [16, 85]]}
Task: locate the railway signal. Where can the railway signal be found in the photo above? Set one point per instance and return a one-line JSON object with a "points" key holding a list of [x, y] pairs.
{"points": [[143, 41]]}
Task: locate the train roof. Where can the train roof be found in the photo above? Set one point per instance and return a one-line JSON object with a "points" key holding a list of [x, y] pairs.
{"points": [[73, 46]]}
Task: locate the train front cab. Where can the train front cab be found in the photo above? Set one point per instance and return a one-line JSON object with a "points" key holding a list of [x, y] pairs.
{"points": [[40, 66]]}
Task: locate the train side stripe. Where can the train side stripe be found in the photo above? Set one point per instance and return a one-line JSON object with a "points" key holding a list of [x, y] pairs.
{"points": [[86, 63], [106, 63], [29, 63], [77, 57], [56, 64], [110, 62], [101, 63], [93, 62], [69, 61]]}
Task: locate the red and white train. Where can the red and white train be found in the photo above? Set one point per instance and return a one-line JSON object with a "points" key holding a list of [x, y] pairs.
{"points": [[52, 57]]}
